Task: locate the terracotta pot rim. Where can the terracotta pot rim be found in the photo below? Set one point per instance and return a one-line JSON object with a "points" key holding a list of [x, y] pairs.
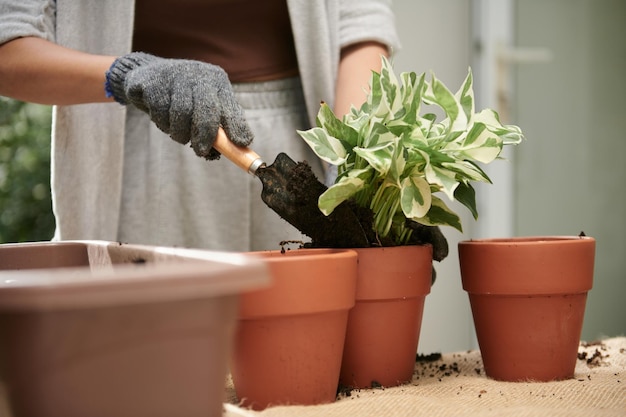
{"points": [[526, 294], [528, 240], [271, 256], [546, 265], [322, 312], [426, 245], [304, 281]]}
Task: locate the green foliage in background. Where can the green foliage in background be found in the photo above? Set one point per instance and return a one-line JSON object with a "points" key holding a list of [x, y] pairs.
{"points": [[25, 202]]}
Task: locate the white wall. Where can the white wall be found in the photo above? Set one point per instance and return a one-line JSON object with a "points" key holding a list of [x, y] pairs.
{"points": [[570, 172]]}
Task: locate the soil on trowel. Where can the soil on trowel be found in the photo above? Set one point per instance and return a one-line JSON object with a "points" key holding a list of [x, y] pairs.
{"points": [[306, 188], [330, 230]]}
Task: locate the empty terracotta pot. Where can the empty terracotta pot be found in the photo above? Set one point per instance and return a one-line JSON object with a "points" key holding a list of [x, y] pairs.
{"points": [[384, 325], [528, 298], [290, 336]]}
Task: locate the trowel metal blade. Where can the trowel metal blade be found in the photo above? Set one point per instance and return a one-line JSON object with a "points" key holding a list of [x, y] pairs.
{"points": [[293, 194]]}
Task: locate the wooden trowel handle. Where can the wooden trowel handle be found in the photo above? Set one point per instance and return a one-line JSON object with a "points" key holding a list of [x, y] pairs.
{"points": [[245, 158]]}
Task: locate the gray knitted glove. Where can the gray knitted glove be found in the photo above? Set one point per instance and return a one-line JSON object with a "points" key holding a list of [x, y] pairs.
{"points": [[186, 99]]}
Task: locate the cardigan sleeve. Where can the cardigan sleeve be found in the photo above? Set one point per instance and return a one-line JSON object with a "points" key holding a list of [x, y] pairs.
{"points": [[22, 18], [367, 20]]}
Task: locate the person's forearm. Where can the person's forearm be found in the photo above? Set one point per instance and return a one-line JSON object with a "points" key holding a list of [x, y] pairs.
{"points": [[355, 70], [39, 71]]}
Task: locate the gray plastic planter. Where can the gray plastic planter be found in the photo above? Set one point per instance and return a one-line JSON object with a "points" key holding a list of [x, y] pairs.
{"points": [[91, 328]]}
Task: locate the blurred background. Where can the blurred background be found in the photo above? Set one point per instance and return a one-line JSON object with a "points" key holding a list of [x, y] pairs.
{"points": [[25, 206], [556, 68]]}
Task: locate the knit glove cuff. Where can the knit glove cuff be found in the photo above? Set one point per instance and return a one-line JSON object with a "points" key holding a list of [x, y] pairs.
{"points": [[115, 76]]}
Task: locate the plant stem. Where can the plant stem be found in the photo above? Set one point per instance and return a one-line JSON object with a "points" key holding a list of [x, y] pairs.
{"points": [[384, 204], [405, 235]]}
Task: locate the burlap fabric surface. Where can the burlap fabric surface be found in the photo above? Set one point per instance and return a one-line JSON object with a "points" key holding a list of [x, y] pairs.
{"points": [[455, 385]]}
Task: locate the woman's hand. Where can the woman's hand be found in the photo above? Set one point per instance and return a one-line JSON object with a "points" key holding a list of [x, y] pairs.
{"points": [[189, 100], [355, 70]]}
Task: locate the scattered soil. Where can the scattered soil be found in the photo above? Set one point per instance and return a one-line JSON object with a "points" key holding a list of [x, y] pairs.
{"points": [[376, 384], [431, 357], [284, 243], [346, 391], [432, 365], [596, 357]]}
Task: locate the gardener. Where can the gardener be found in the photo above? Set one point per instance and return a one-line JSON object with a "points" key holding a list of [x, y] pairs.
{"points": [[115, 174]]}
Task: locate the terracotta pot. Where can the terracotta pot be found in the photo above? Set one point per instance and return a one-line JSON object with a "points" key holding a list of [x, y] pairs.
{"points": [[290, 336], [528, 299], [384, 325]]}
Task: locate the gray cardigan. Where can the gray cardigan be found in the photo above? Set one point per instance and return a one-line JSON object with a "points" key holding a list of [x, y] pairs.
{"points": [[88, 139]]}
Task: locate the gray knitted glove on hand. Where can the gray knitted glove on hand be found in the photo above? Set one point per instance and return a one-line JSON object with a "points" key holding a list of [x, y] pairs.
{"points": [[186, 99]]}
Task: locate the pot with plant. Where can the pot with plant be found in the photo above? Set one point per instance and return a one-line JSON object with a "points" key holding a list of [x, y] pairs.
{"points": [[393, 164]]}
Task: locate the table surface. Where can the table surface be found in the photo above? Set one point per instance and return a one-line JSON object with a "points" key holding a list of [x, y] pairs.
{"points": [[455, 384]]}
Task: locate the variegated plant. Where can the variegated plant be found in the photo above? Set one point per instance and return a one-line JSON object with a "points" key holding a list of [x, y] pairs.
{"points": [[394, 160]]}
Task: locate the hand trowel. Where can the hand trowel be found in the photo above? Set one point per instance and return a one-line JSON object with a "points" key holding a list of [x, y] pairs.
{"points": [[292, 190]]}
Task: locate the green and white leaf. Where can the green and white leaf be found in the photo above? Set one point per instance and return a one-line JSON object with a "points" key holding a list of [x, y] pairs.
{"points": [[444, 179], [440, 215], [336, 128], [327, 147], [465, 96], [398, 159], [390, 91], [437, 93], [415, 196], [481, 144], [379, 157], [467, 170], [343, 190]]}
